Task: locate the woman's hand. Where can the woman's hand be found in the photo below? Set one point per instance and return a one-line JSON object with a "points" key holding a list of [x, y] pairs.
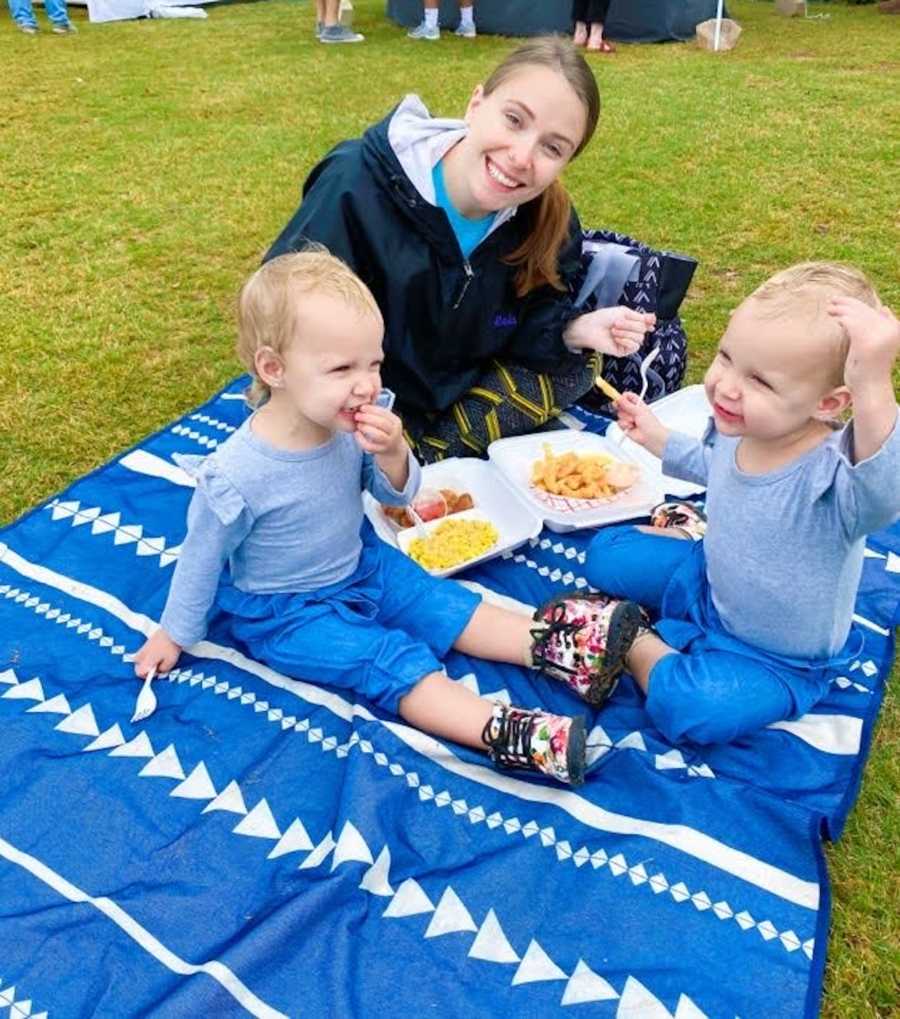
{"points": [[639, 423], [617, 331], [380, 432], [160, 652]]}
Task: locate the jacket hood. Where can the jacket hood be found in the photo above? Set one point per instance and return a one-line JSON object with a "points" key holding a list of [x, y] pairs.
{"points": [[411, 141]]}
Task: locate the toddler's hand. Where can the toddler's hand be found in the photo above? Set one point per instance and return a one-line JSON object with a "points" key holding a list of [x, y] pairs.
{"points": [[617, 331], [639, 423], [159, 652], [874, 335], [379, 431]]}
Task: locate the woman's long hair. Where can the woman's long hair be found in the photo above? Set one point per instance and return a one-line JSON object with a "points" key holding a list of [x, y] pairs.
{"points": [[537, 257]]}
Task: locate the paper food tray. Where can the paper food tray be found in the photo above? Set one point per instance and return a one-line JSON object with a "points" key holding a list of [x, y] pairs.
{"points": [[494, 500], [686, 410], [514, 457]]}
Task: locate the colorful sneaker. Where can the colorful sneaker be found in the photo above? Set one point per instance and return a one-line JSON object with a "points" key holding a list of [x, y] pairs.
{"points": [[680, 516], [424, 31], [466, 30], [584, 641], [553, 745]]}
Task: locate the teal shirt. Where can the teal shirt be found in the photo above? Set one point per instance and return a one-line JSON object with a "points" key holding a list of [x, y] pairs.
{"points": [[469, 232]]}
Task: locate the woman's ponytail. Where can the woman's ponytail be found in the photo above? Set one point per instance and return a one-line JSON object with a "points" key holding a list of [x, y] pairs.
{"points": [[537, 257]]}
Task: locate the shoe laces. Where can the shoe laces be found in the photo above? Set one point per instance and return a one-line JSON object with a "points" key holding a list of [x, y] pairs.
{"points": [[556, 626], [507, 735]]}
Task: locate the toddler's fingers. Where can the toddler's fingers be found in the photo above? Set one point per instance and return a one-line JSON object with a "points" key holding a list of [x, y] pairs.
{"points": [[843, 305], [628, 403]]}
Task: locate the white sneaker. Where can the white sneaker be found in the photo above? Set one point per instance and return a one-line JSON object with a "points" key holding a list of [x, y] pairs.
{"points": [[466, 31], [424, 31]]}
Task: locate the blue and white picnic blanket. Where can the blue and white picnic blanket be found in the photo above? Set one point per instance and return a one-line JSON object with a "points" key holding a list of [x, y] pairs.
{"points": [[265, 846]]}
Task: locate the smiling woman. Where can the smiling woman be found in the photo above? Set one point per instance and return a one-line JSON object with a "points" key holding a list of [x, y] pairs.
{"points": [[467, 238]]}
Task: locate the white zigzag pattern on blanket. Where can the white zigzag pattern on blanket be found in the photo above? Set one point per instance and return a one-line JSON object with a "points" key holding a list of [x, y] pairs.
{"points": [[450, 915], [598, 858]]}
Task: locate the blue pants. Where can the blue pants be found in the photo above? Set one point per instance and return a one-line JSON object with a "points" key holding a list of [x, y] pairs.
{"points": [[719, 688], [23, 13], [377, 633]]}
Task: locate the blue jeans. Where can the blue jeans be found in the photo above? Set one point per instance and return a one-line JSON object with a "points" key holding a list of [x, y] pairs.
{"points": [[23, 13]]}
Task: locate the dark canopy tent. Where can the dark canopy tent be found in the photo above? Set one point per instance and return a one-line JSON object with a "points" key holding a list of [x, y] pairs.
{"points": [[628, 20]]}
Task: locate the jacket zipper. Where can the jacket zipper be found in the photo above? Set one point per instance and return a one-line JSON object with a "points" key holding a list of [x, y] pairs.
{"points": [[469, 277]]}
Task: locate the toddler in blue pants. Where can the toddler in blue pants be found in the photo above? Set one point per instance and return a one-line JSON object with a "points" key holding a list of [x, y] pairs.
{"points": [[745, 625], [279, 503]]}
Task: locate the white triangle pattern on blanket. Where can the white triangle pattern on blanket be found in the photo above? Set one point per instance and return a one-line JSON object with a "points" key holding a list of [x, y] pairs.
{"points": [[350, 846], [376, 879], [536, 966], [110, 523], [263, 824], [19, 1008], [451, 915], [295, 840]]}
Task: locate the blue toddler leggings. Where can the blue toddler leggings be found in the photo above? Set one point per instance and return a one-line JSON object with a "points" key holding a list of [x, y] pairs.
{"points": [[718, 688]]}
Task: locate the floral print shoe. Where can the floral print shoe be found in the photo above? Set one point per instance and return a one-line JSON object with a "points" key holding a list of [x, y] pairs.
{"points": [[553, 745], [681, 516], [584, 640]]}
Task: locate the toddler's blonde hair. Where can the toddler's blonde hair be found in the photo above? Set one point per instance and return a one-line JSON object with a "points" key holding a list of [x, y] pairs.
{"points": [[806, 288], [270, 304]]}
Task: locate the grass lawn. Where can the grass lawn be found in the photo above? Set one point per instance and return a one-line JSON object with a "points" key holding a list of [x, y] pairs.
{"points": [[148, 164]]}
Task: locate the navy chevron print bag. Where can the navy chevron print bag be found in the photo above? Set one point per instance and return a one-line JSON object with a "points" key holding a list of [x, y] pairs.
{"points": [[617, 269]]}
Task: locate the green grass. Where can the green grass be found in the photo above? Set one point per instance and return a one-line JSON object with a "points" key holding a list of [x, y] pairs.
{"points": [[147, 165]]}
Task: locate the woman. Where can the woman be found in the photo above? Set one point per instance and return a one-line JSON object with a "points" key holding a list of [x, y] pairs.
{"points": [[467, 238]]}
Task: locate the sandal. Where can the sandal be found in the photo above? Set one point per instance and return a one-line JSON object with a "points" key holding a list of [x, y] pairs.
{"points": [[602, 47]]}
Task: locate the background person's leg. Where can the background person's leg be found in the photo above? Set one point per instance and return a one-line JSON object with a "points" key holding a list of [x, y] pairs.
{"points": [[580, 22], [428, 26], [596, 18], [22, 13], [57, 13]]}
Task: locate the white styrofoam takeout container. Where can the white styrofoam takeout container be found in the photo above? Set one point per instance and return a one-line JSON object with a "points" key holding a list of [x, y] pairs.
{"points": [[514, 457], [494, 500], [686, 410], [501, 491]]}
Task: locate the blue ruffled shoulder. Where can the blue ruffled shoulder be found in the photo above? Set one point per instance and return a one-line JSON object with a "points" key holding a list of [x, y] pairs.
{"points": [[220, 494]]}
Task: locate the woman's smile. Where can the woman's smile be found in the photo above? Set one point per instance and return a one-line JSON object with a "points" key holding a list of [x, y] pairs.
{"points": [[505, 182]]}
